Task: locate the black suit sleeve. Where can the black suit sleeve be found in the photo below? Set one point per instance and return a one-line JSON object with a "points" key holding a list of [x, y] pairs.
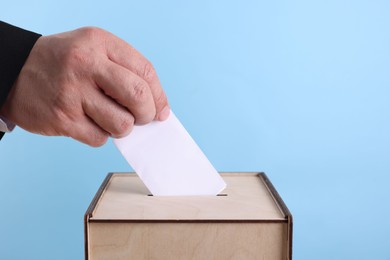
{"points": [[15, 46]]}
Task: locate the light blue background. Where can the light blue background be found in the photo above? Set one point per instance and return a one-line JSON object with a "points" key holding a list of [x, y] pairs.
{"points": [[298, 89]]}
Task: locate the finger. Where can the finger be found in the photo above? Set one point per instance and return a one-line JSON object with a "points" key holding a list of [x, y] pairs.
{"points": [[127, 89], [109, 115], [86, 131], [125, 55]]}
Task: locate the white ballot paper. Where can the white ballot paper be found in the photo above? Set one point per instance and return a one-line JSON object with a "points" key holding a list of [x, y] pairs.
{"points": [[169, 161]]}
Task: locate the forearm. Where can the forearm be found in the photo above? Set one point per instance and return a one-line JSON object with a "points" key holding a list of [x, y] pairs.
{"points": [[15, 46]]}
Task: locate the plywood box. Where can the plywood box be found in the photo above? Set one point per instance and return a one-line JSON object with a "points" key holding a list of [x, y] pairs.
{"points": [[248, 220]]}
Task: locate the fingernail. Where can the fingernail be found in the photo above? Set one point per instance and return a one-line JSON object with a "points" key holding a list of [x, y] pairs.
{"points": [[164, 113]]}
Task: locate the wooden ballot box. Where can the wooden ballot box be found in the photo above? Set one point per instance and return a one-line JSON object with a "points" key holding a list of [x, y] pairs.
{"points": [[248, 220]]}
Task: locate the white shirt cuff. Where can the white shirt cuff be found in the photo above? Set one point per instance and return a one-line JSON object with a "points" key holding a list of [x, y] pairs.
{"points": [[6, 126]]}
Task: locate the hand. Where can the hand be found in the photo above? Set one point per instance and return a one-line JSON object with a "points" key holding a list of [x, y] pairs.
{"points": [[87, 84]]}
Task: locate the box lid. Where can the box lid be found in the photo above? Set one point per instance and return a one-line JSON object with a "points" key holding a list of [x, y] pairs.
{"points": [[248, 196]]}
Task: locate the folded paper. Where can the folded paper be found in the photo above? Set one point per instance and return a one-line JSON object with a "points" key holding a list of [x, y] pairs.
{"points": [[169, 161]]}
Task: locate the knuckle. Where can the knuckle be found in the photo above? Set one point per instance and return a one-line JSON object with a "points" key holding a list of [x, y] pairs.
{"points": [[140, 91], [149, 73], [91, 32], [83, 50], [124, 126], [98, 139], [77, 56]]}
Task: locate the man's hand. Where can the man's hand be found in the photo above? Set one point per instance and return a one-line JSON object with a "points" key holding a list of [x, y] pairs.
{"points": [[87, 84]]}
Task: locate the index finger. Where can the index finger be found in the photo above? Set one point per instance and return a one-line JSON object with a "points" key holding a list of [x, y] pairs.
{"points": [[127, 89], [125, 55]]}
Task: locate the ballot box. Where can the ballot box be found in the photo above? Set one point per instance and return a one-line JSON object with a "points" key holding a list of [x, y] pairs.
{"points": [[247, 220]]}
